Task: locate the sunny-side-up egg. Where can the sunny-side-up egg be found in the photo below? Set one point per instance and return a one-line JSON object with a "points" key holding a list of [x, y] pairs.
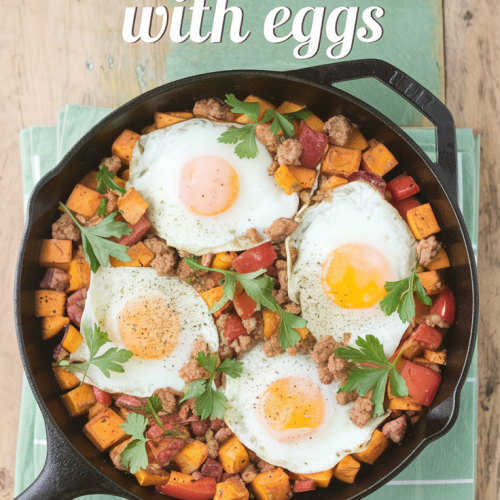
{"points": [[202, 197], [349, 246], [156, 317], [280, 409]]}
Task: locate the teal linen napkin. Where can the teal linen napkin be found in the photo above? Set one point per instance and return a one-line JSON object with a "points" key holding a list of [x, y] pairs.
{"points": [[444, 471]]}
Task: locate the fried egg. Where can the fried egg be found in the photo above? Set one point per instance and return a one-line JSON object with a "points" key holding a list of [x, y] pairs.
{"points": [[349, 246], [156, 317], [202, 197], [279, 409]]}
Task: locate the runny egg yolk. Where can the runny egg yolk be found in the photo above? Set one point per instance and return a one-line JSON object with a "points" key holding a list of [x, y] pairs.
{"points": [[149, 328], [209, 185], [354, 276], [292, 408]]}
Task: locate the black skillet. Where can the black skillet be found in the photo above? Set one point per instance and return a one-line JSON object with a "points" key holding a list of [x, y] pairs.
{"points": [[74, 467]]}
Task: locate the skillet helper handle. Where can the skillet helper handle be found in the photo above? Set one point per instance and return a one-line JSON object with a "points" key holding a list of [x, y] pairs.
{"points": [[417, 95], [67, 475]]}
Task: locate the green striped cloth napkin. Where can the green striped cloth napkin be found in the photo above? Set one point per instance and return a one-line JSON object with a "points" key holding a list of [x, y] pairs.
{"points": [[445, 470]]}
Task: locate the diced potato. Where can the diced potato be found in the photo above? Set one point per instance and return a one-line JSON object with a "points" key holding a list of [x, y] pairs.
{"points": [[212, 296], [79, 274], [72, 339], [52, 325], [272, 322], [56, 253], [286, 180], [132, 205], [49, 303], [264, 105], [148, 129], [312, 121], [65, 379], [90, 180], [224, 260], [422, 221], [231, 489], [80, 400], [377, 446], [432, 281], [356, 140], [440, 261], [140, 256], [322, 478], [406, 403], [233, 456], [272, 485], [124, 145], [378, 159], [145, 478], [163, 120], [347, 469], [341, 161], [104, 430], [333, 182], [84, 201], [435, 357], [191, 456], [305, 176]]}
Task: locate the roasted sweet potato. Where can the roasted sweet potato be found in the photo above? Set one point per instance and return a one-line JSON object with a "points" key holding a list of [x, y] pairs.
{"points": [[132, 206], [79, 274], [104, 430], [49, 303], [356, 140], [231, 489], [286, 180], [378, 159], [65, 379], [432, 281], [124, 145], [56, 253], [90, 180], [148, 129], [163, 120], [52, 325], [305, 176], [312, 121], [233, 456], [406, 403], [191, 456], [341, 161], [272, 322], [440, 261], [272, 485], [347, 469], [264, 105], [435, 357], [333, 182], [184, 487], [422, 222], [140, 256], [150, 478], [377, 446], [212, 296], [84, 201], [80, 400], [224, 260], [72, 339], [322, 478]]}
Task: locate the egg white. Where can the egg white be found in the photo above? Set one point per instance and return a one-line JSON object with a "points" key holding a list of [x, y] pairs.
{"points": [[155, 170], [333, 440], [355, 213], [110, 289]]}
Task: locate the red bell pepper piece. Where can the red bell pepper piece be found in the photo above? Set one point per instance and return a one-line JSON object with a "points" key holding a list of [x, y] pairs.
{"points": [[401, 187], [430, 338], [443, 304], [244, 305], [404, 205], [260, 257], [234, 328], [139, 229], [314, 144], [370, 177], [102, 397], [183, 486], [422, 382]]}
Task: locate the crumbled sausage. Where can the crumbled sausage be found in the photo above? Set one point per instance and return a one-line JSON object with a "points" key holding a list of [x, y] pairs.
{"points": [[433, 320], [65, 229], [212, 444], [323, 349], [427, 249], [253, 235], [281, 266], [346, 397], [304, 197], [112, 203], [252, 455], [292, 307], [216, 424], [197, 475], [280, 229], [207, 281], [225, 352], [165, 258], [215, 109], [55, 279], [184, 272], [206, 259], [230, 477], [362, 411], [338, 129], [272, 347], [339, 367], [249, 473], [325, 375], [289, 152], [198, 346], [199, 427], [242, 344], [249, 324], [395, 429], [222, 435], [193, 371], [168, 399], [186, 408], [271, 170], [280, 296], [212, 468], [113, 163], [266, 137], [220, 323], [305, 346], [264, 466], [116, 455]]}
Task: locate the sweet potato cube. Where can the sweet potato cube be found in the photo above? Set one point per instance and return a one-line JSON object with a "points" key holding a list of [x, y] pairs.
{"points": [[347, 469], [406, 403], [95, 410], [140, 256], [56, 253], [231, 489], [312, 121], [333, 182], [124, 145], [303, 332], [432, 281], [272, 485], [264, 105], [356, 140], [72, 339], [52, 325], [212, 296], [378, 159], [125, 175], [148, 129], [377, 446], [422, 221], [322, 478], [163, 120], [132, 205], [80, 400], [121, 182], [272, 322], [145, 478], [233, 456], [305, 176], [191, 457], [104, 430], [49, 303], [341, 161], [224, 260], [84, 201], [435, 357], [79, 274], [286, 180], [65, 379], [440, 261], [90, 180]]}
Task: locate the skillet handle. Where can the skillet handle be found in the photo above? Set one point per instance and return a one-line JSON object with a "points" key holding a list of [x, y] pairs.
{"points": [[66, 475], [409, 89]]}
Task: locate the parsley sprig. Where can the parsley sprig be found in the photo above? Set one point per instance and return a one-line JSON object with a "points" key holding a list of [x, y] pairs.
{"points": [[244, 136], [96, 247], [400, 296], [364, 378], [110, 361], [259, 287], [105, 180], [208, 401]]}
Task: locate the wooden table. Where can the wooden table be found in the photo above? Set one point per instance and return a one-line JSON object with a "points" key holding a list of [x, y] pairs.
{"points": [[51, 46]]}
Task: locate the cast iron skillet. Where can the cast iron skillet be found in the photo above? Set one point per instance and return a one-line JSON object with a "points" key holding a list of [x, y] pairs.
{"points": [[74, 467]]}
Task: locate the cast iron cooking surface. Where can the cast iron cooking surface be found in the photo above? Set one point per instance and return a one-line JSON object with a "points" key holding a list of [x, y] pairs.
{"points": [[324, 101]]}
